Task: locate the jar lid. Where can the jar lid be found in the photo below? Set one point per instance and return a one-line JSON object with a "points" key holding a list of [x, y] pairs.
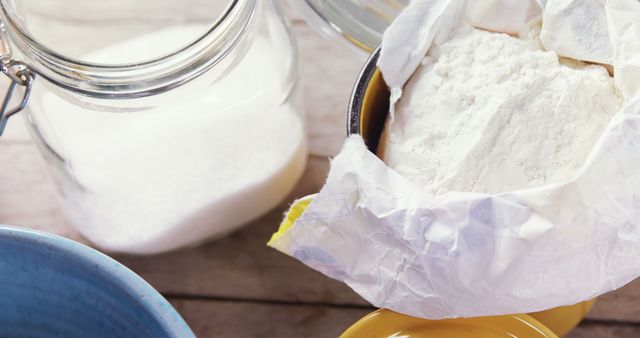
{"points": [[358, 23], [385, 323]]}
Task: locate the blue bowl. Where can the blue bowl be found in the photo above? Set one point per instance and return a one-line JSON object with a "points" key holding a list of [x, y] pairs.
{"points": [[54, 287]]}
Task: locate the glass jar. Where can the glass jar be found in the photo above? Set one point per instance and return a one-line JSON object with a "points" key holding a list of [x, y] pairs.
{"points": [[354, 23], [165, 123]]}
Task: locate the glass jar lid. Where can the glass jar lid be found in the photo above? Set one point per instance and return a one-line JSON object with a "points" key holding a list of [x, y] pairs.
{"points": [[205, 32], [358, 23]]}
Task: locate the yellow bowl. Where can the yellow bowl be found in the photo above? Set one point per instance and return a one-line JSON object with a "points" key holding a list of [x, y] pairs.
{"points": [[368, 110], [387, 324], [562, 320]]}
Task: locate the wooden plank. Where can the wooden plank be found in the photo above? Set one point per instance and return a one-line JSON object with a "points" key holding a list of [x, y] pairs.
{"points": [[591, 329], [27, 194], [241, 266], [249, 320], [327, 87], [220, 319], [620, 305]]}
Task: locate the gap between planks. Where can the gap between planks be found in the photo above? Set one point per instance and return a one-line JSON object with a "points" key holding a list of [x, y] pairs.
{"points": [[204, 298]]}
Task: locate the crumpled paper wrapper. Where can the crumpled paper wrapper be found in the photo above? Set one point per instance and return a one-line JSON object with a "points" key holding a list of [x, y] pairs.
{"points": [[471, 254]]}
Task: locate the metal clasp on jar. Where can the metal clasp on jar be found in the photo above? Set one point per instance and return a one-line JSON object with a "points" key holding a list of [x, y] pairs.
{"points": [[20, 74]]}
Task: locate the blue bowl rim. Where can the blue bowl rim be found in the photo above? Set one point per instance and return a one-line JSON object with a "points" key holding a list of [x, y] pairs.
{"points": [[152, 301]]}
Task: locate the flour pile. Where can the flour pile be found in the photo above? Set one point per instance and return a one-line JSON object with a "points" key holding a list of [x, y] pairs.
{"points": [[489, 112]]}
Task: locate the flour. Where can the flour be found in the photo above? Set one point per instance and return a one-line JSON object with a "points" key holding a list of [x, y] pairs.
{"points": [[158, 179], [488, 112]]}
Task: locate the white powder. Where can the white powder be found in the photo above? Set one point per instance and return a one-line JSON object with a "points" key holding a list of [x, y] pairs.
{"points": [[489, 112], [158, 179]]}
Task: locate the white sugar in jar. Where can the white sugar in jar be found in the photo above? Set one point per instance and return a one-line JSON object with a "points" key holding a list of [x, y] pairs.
{"points": [[181, 132]]}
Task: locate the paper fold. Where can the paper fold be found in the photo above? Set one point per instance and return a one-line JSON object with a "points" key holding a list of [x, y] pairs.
{"points": [[471, 254]]}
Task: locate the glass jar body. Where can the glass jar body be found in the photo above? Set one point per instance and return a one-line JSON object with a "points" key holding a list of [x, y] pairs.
{"points": [[155, 173]]}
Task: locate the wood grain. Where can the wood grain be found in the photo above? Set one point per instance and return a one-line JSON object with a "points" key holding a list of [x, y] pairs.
{"points": [[620, 305], [241, 266], [591, 329], [27, 194], [249, 320]]}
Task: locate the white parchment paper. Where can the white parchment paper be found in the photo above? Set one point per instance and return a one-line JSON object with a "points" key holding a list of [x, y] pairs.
{"points": [[470, 254]]}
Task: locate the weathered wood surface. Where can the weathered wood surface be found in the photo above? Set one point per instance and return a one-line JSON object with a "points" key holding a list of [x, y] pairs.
{"points": [[599, 329], [237, 286], [250, 319]]}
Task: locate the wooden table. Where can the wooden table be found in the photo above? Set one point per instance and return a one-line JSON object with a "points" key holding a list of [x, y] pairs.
{"points": [[236, 286]]}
